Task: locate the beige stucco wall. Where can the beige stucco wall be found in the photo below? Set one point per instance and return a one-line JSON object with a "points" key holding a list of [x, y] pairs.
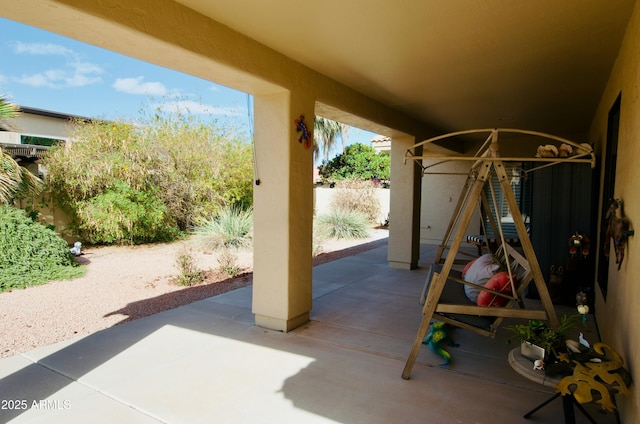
{"points": [[322, 197], [37, 125], [440, 194], [404, 214], [9, 137], [619, 316], [44, 126], [49, 214]]}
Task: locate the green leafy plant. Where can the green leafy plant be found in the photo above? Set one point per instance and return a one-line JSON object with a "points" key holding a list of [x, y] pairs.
{"points": [[340, 223], [231, 227], [358, 161], [31, 254], [538, 333], [125, 215], [190, 274]]}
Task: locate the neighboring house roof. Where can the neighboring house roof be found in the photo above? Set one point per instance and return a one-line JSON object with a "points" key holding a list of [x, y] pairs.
{"points": [[17, 149], [381, 143], [52, 114]]}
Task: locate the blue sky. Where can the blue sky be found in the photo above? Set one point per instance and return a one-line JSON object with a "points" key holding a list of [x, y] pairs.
{"points": [[44, 70]]}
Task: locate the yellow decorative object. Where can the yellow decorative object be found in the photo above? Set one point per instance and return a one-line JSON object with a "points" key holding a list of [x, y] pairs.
{"points": [[603, 376]]}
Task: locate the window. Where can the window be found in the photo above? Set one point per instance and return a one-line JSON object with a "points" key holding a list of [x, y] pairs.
{"points": [[521, 186], [39, 141]]}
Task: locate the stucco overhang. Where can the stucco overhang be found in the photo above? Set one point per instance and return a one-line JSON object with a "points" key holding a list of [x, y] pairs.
{"points": [[428, 66]]}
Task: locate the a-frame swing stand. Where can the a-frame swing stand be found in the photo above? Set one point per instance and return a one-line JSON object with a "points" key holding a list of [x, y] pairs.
{"points": [[522, 269]]}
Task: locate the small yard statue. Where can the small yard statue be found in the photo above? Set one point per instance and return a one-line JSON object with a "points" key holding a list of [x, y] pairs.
{"points": [[76, 250], [437, 335]]}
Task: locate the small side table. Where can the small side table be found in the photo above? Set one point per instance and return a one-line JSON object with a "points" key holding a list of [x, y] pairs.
{"points": [[524, 367]]}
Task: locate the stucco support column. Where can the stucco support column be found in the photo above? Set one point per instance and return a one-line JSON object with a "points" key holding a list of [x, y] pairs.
{"points": [[283, 212], [404, 214]]}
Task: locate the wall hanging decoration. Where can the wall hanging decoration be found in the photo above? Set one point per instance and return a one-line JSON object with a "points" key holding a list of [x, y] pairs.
{"points": [[579, 244], [617, 231], [304, 137]]}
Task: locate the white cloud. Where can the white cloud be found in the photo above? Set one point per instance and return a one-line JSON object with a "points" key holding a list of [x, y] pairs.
{"points": [[138, 86], [192, 107], [86, 68], [41, 49], [73, 73], [35, 80], [80, 79], [63, 78]]}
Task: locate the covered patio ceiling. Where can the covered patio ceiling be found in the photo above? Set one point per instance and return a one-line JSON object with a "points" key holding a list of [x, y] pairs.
{"points": [[453, 64]]}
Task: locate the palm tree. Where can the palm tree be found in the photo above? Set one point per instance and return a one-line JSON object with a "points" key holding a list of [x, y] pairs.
{"points": [[15, 181], [7, 111], [344, 135], [326, 133]]}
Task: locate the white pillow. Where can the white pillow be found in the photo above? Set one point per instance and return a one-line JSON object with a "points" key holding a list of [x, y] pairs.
{"points": [[480, 272]]}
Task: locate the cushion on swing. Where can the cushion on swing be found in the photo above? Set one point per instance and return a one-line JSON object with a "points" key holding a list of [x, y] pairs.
{"points": [[467, 266], [453, 293], [500, 283], [479, 272]]}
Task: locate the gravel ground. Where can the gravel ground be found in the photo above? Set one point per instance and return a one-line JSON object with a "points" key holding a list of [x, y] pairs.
{"points": [[124, 283]]}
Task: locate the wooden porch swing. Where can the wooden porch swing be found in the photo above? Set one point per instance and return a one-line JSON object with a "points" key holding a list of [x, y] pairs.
{"points": [[443, 295]]}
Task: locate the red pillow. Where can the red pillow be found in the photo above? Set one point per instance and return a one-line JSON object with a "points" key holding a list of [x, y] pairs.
{"points": [[500, 283]]}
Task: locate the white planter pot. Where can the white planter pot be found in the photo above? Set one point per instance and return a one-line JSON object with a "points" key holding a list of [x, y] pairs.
{"points": [[531, 351]]}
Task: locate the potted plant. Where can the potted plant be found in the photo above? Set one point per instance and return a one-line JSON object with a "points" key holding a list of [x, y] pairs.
{"points": [[538, 341]]}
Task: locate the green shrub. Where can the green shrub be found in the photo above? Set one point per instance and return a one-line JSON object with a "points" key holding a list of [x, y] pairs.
{"points": [[122, 214], [341, 223], [232, 227], [193, 168], [358, 161], [30, 253], [190, 274]]}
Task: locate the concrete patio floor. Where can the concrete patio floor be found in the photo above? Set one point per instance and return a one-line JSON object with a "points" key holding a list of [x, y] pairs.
{"points": [[207, 363]]}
